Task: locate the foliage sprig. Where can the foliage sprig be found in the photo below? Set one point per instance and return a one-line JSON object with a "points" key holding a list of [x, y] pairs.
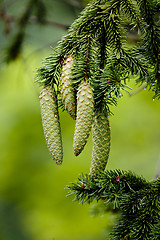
{"points": [[103, 22], [137, 199]]}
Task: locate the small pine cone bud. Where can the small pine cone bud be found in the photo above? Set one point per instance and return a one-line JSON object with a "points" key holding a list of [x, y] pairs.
{"points": [[51, 124], [67, 89], [101, 144], [84, 120]]}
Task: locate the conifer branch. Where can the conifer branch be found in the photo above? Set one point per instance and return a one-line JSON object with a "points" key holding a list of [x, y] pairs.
{"points": [[103, 62], [137, 199]]}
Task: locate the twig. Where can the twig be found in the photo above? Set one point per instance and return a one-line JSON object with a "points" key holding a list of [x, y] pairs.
{"points": [[137, 90], [33, 19], [75, 3], [157, 173]]}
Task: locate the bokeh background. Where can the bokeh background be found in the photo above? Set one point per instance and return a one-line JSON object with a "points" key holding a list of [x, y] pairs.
{"points": [[33, 190]]}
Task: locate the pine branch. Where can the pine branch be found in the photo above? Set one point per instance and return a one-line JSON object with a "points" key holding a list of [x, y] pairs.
{"points": [[137, 199], [155, 233], [101, 56], [107, 186], [129, 8], [102, 22], [151, 42], [102, 63]]}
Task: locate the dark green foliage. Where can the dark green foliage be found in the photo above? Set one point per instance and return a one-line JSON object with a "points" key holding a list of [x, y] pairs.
{"points": [[102, 27], [50, 73], [109, 185], [155, 233], [137, 199]]}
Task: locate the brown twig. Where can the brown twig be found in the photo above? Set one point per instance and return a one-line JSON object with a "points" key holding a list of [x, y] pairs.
{"points": [[8, 19], [137, 90], [157, 173], [34, 19]]}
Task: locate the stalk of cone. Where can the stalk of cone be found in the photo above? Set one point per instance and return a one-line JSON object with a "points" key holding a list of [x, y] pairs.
{"points": [[84, 120], [51, 124], [101, 144]]}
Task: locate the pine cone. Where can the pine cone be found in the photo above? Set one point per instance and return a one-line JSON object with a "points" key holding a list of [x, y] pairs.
{"points": [[101, 144], [84, 120], [51, 124], [67, 89]]}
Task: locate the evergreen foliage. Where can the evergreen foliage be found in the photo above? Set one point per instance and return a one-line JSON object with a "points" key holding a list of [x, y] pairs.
{"points": [[102, 55], [98, 40], [137, 199], [104, 59]]}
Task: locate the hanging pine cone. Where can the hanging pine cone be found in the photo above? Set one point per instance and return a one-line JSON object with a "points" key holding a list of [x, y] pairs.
{"points": [[101, 143], [85, 111], [51, 124], [67, 89]]}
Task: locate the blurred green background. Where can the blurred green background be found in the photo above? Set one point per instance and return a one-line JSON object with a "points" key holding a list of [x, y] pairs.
{"points": [[33, 201]]}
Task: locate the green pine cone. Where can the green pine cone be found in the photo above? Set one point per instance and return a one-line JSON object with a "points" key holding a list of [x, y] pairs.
{"points": [[101, 144], [51, 124], [67, 89], [84, 120]]}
